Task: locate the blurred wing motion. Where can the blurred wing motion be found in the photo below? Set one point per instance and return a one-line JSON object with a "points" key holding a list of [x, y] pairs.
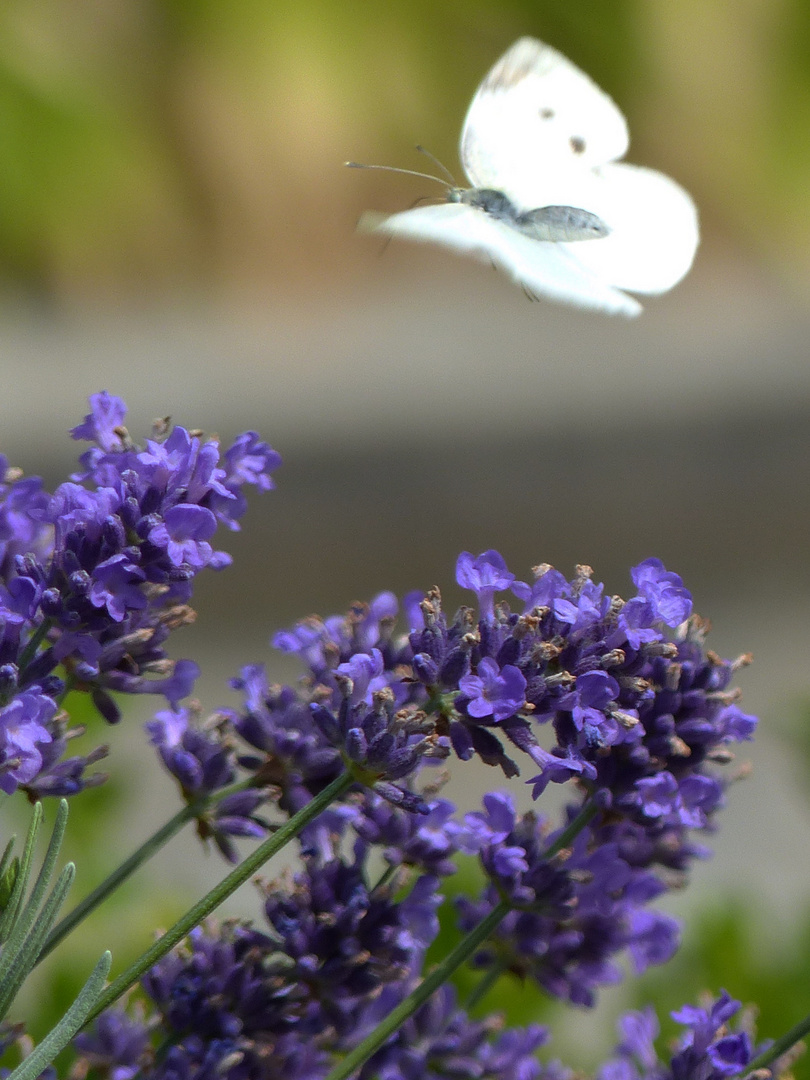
{"points": [[542, 133], [542, 268]]}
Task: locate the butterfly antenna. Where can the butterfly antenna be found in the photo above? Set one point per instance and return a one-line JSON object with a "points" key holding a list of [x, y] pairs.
{"points": [[392, 168], [439, 165]]}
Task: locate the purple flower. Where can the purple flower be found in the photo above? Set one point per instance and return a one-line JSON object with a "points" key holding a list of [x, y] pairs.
{"points": [[484, 575], [427, 842], [365, 671], [440, 1040], [377, 745], [103, 423], [574, 912], [595, 691], [116, 587], [247, 461], [184, 534], [653, 938], [94, 577], [344, 942], [494, 692], [490, 827], [707, 1051], [117, 1043], [664, 591], [23, 731], [548, 586]]}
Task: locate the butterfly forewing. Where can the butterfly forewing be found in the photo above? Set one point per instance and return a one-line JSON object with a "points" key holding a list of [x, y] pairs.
{"points": [[535, 117]]}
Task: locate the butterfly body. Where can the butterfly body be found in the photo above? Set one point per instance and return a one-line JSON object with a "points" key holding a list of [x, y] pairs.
{"points": [[549, 202], [550, 223]]}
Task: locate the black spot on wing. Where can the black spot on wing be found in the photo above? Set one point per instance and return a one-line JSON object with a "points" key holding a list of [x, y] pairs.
{"points": [[546, 113], [577, 144]]}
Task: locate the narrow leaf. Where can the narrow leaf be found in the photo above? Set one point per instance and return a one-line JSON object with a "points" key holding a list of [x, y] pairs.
{"points": [[58, 1038], [25, 919], [21, 882], [8, 873], [27, 950]]}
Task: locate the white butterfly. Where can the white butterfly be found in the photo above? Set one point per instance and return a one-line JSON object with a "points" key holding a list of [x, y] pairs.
{"points": [[549, 203]]}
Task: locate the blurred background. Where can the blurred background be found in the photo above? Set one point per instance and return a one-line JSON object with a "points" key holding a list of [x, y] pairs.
{"points": [[176, 226]]}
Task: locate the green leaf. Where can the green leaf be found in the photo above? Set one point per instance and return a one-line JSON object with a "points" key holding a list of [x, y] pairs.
{"points": [[9, 869], [58, 1038], [27, 948], [21, 881]]}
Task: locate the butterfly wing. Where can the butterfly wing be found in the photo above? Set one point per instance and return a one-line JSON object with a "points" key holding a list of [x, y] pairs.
{"points": [[543, 268], [542, 132], [653, 227], [534, 117]]}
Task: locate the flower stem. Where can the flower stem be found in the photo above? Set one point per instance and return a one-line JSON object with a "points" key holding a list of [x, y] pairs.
{"points": [[777, 1048], [385, 877], [223, 890], [463, 951], [483, 986], [573, 828], [127, 868], [34, 642]]}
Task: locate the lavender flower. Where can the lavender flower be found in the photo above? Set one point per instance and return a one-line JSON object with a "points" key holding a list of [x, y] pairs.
{"points": [[707, 1050], [117, 1045], [428, 842], [239, 1003], [308, 737], [573, 913], [485, 576], [230, 1011], [440, 1040], [203, 760], [638, 713], [345, 941], [496, 692], [95, 577], [635, 711]]}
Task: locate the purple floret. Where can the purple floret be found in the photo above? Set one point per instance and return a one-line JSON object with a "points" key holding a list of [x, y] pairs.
{"points": [[484, 575], [493, 691]]}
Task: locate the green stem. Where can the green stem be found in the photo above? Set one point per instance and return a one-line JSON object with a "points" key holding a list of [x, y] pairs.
{"points": [[484, 985], [573, 829], [385, 877], [34, 642], [463, 951], [221, 892], [445, 970], [70, 684], [781, 1046], [127, 868]]}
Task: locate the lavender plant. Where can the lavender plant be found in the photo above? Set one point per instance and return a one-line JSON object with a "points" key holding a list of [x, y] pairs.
{"points": [[619, 700]]}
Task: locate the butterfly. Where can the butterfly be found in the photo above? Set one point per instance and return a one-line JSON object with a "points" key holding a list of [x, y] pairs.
{"points": [[550, 203]]}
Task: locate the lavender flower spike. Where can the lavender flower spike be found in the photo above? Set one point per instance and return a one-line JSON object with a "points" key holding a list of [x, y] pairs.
{"points": [[95, 577]]}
